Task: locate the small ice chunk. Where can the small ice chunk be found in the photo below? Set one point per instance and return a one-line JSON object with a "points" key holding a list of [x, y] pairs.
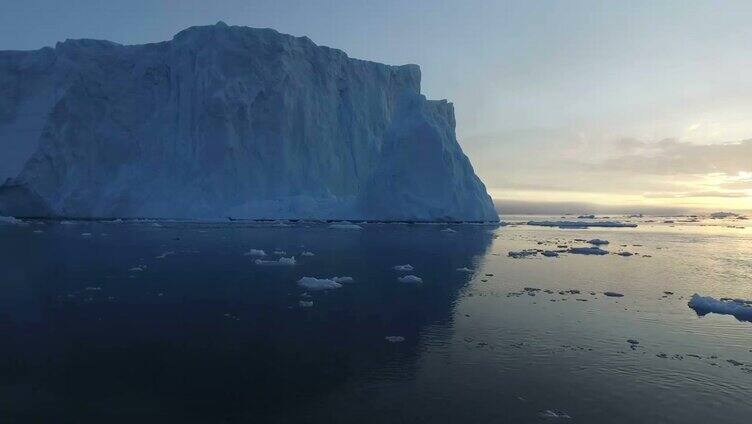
{"points": [[522, 253], [345, 225], [394, 339], [85, 234], [593, 250], [465, 270], [38, 231], [343, 280], [138, 268], [255, 252], [554, 414], [313, 283], [281, 261], [411, 279], [307, 253], [305, 303], [404, 268], [279, 252], [739, 308], [448, 230], [598, 242], [166, 254]]}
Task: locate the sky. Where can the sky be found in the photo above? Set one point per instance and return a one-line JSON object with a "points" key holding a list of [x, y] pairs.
{"points": [[637, 104]]}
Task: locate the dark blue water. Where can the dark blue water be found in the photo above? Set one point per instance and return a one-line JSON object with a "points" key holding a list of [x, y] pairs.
{"points": [[202, 334]]}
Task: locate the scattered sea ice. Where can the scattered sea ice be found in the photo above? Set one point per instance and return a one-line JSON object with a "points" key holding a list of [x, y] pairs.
{"points": [[307, 253], [255, 252], [394, 339], [465, 269], [305, 303]]}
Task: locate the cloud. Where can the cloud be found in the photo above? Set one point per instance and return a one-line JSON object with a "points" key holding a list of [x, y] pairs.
{"points": [[671, 157], [719, 194]]}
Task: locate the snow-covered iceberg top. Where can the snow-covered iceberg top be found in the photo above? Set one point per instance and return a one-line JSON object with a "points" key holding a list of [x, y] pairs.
{"points": [[227, 121], [740, 308]]}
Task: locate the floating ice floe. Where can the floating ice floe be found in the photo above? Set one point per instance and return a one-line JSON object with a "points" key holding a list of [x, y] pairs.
{"points": [[255, 252], [307, 253], [593, 250], [313, 283], [166, 254], [305, 303], [37, 231], [85, 234], [279, 252], [554, 414], [465, 270], [410, 279], [281, 261], [522, 253], [343, 280], [448, 230], [394, 339], [739, 308], [580, 224], [344, 225], [404, 268], [138, 268], [598, 242]]}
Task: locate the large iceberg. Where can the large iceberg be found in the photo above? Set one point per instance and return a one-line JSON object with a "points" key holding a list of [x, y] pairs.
{"points": [[227, 121]]}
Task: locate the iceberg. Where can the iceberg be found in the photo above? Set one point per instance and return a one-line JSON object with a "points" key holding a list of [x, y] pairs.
{"points": [[739, 308], [227, 121]]}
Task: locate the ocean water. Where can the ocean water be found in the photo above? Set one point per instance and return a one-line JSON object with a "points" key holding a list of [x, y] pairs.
{"points": [[171, 322]]}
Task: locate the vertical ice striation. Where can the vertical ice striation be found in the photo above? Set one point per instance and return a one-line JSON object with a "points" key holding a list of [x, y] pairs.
{"points": [[227, 121]]}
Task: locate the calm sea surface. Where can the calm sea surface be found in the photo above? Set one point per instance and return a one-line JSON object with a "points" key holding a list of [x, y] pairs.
{"points": [[172, 322]]}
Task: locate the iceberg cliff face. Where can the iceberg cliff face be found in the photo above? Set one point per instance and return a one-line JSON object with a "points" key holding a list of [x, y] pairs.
{"points": [[227, 121]]}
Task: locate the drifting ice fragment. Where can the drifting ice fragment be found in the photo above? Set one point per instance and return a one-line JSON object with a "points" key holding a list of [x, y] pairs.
{"points": [[405, 268], [739, 308], [346, 226], [280, 261], [394, 339], [307, 253], [255, 252], [313, 283], [413, 279], [465, 269], [594, 250], [598, 242]]}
